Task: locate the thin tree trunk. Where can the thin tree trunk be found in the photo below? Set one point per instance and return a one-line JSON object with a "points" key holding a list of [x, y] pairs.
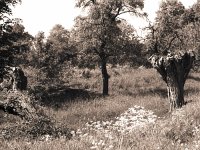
{"points": [[105, 77]]}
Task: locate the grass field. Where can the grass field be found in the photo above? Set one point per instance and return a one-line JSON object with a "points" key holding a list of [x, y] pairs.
{"points": [[129, 88]]}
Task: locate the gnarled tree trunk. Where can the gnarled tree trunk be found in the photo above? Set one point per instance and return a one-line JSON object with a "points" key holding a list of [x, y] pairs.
{"points": [[174, 69]]}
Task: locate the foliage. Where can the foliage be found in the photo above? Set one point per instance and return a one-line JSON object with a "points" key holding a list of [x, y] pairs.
{"points": [[5, 11], [99, 32], [191, 29], [13, 39], [191, 19], [175, 28], [37, 52], [5, 7], [128, 48], [19, 45], [58, 52], [166, 33], [53, 53]]}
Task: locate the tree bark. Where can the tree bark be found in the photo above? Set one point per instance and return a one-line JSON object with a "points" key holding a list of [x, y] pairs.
{"points": [[175, 86], [174, 69], [105, 77]]}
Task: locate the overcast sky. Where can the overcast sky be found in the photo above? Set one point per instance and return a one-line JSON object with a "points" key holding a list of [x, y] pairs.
{"points": [[42, 15]]}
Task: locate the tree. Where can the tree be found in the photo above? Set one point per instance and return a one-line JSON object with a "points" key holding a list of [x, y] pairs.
{"points": [[191, 30], [129, 48], [52, 54], [99, 33], [19, 45], [58, 50], [166, 31], [5, 22], [169, 58], [5, 29], [13, 39], [5, 7], [37, 53]]}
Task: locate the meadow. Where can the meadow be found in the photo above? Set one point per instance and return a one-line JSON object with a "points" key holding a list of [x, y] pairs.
{"points": [[135, 115]]}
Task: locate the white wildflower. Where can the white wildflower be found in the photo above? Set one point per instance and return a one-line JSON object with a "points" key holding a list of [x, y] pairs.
{"points": [[102, 134], [94, 147]]}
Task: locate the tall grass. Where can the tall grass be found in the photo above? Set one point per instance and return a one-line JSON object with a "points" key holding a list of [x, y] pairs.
{"points": [[128, 87]]}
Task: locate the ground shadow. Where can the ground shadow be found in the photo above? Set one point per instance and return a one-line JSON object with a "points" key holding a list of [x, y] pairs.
{"points": [[146, 92], [56, 96], [191, 91], [161, 92], [194, 78]]}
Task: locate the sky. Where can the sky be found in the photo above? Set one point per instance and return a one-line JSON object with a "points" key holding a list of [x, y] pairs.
{"points": [[42, 15]]}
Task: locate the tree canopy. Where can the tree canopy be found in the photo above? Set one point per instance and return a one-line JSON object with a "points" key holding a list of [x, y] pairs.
{"points": [[166, 32], [8, 29]]}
